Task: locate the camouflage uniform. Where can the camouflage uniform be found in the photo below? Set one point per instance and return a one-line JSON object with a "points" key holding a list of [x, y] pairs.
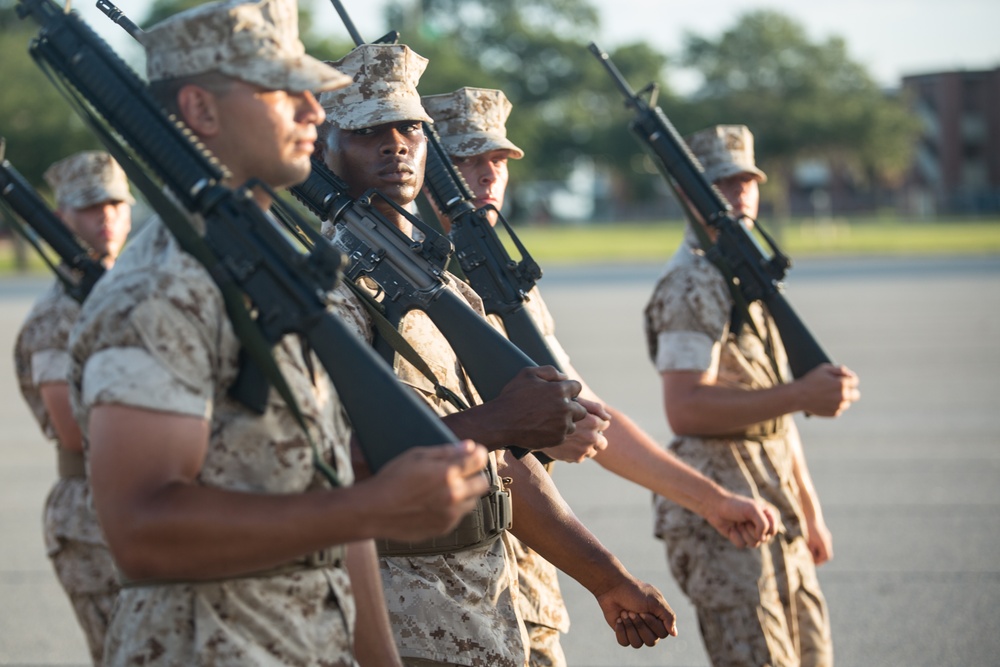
{"points": [[472, 121], [540, 601], [456, 608], [755, 606], [155, 336], [73, 539]]}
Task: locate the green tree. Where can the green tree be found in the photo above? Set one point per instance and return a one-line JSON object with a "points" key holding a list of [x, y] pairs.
{"points": [[565, 106], [801, 99]]}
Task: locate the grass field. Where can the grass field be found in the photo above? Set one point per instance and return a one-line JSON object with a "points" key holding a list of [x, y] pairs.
{"points": [[656, 241], [653, 242]]}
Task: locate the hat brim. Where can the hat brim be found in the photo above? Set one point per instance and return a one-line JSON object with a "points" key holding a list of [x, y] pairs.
{"points": [[468, 145], [372, 112], [728, 169], [295, 75], [95, 195]]}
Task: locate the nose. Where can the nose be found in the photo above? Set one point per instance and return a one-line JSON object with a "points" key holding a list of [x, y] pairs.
{"points": [[310, 110], [489, 174], [394, 143]]}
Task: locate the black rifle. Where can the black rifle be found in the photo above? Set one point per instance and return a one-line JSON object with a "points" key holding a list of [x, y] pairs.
{"points": [[79, 268], [241, 245], [752, 273], [410, 274]]}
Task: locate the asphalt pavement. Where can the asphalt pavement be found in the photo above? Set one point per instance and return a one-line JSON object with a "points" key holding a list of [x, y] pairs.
{"points": [[909, 478]]}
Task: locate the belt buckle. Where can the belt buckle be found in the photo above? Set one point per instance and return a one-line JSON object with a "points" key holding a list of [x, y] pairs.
{"points": [[329, 557]]}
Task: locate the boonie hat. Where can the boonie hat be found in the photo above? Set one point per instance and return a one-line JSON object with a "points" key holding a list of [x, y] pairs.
{"points": [[384, 89], [88, 178], [725, 150], [256, 42], [472, 121]]}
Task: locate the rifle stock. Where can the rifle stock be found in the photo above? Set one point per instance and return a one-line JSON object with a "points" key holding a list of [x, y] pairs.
{"points": [[739, 256], [241, 246]]}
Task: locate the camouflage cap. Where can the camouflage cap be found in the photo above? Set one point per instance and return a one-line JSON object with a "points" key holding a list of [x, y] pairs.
{"points": [[257, 42], [472, 121], [384, 88], [725, 150], [88, 178]]}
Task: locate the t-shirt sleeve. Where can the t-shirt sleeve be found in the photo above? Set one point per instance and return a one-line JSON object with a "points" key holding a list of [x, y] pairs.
{"points": [[689, 318], [158, 357]]}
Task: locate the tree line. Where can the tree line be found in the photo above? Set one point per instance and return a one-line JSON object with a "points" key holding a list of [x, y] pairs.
{"points": [[802, 98]]}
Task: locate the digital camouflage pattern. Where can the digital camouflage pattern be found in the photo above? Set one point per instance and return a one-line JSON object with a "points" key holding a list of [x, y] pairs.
{"points": [[458, 608], [155, 335], [540, 601], [257, 42], [725, 150], [384, 87], [754, 605], [73, 539], [88, 178], [472, 121]]}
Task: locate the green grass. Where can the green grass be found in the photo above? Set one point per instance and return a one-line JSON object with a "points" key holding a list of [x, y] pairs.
{"points": [[624, 242], [654, 242]]}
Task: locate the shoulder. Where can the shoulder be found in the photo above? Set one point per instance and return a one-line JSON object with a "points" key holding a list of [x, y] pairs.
{"points": [[48, 323]]}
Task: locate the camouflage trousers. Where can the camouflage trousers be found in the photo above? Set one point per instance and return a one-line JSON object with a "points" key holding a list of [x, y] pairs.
{"points": [[546, 651], [87, 574], [775, 617]]}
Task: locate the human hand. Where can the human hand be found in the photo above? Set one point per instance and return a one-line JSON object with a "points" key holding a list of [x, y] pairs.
{"points": [[536, 409], [743, 521], [638, 613], [828, 390], [587, 439], [819, 540], [425, 491]]}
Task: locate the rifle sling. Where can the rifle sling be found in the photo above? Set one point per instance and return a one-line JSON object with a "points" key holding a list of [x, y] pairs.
{"points": [[176, 220], [741, 307], [401, 346]]}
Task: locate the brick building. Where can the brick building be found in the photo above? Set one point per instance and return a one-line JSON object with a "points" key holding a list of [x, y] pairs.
{"points": [[957, 164]]}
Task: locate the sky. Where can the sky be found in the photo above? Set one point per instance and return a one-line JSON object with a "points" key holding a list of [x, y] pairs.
{"points": [[892, 38]]}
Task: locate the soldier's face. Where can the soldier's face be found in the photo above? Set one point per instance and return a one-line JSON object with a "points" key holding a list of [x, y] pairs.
{"points": [[266, 134], [487, 177], [742, 192], [102, 226], [389, 157]]}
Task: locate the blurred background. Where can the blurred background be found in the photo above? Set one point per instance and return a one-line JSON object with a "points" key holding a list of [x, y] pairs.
{"points": [[867, 116]]}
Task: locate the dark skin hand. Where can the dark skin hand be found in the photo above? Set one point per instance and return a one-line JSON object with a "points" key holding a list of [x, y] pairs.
{"points": [[535, 410]]}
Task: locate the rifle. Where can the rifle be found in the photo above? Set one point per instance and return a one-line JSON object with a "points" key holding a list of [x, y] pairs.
{"points": [[753, 273], [79, 268], [246, 254]]}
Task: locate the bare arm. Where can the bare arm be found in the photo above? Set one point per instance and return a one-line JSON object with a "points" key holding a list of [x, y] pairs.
{"points": [[631, 453], [55, 396], [161, 524], [544, 522], [373, 642], [818, 536], [697, 405]]}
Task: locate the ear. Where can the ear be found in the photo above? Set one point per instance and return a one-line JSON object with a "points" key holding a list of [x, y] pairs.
{"points": [[199, 110]]}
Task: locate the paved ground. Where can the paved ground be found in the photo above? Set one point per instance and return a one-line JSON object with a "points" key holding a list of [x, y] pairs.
{"points": [[909, 478]]}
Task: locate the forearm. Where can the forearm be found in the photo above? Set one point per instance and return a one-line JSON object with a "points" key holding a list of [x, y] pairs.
{"points": [[634, 455], [373, 640], [711, 409], [191, 532], [544, 522]]}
